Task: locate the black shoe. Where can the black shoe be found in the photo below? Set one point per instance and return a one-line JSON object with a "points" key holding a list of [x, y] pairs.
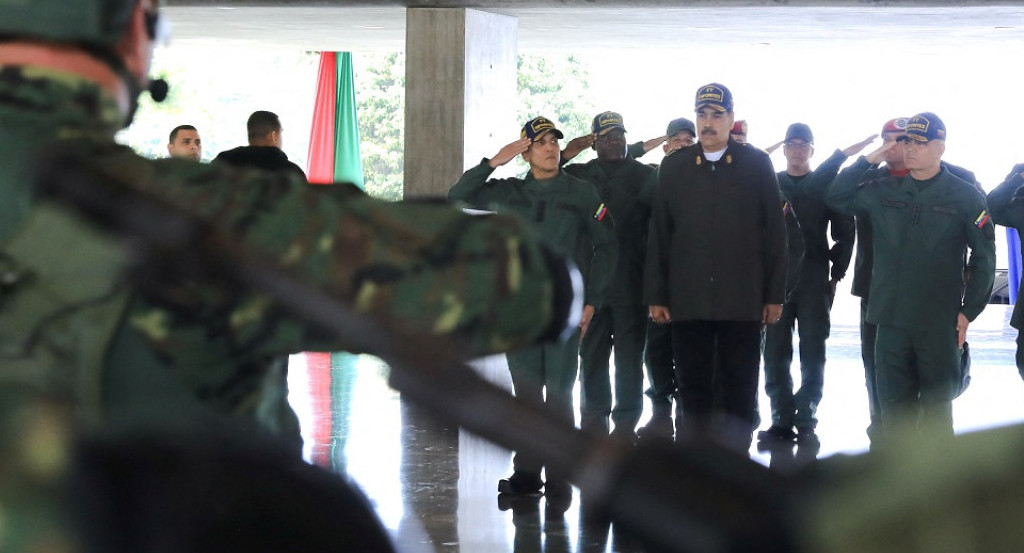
{"points": [[660, 427], [520, 483], [518, 503], [776, 434], [807, 437], [555, 506]]}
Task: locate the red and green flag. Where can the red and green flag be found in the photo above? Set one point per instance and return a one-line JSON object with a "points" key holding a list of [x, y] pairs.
{"points": [[333, 157], [334, 138]]}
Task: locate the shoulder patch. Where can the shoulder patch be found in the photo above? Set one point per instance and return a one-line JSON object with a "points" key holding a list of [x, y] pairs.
{"points": [[602, 210], [982, 219]]}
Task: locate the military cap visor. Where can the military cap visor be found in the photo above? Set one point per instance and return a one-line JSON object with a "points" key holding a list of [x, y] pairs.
{"points": [[715, 96], [607, 121], [680, 125], [925, 127], [535, 128]]}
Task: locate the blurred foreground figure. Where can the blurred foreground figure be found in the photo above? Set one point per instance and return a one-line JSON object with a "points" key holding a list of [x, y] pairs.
{"points": [[81, 349], [928, 492]]}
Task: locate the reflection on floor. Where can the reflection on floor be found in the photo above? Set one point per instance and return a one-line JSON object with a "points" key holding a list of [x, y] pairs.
{"points": [[435, 487]]}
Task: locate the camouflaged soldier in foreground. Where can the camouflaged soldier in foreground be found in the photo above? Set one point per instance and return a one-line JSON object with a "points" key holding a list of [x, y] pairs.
{"points": [[80, 348]]}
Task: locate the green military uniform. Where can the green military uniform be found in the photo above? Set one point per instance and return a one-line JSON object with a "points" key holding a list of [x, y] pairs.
{"points": [[79, 348], [862, 286], [564, 210], [626, 188], [920, 232]]}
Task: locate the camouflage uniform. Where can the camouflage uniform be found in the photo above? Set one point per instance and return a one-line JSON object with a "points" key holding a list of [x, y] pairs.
{"points": [[81, 349]]}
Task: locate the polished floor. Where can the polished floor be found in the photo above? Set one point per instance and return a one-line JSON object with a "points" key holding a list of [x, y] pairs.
{"points": [[434, 487]]}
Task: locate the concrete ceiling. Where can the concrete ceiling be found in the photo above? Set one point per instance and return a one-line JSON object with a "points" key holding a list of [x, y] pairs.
{"points": [[597, 24]]}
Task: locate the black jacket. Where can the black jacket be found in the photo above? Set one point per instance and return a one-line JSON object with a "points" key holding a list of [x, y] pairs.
{"points": [[717, 249], [260, 157], [807, 195]]}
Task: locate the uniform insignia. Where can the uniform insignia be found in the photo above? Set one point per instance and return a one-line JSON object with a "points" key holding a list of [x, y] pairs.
{"points": [[982, 219], [728, 159], [698, 160], [787, 208], [602, 210]]}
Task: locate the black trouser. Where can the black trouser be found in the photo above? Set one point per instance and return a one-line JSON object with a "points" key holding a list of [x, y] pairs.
{"points": [[868, 331], [808, 311], [625, 328], [661, 370], [738, 346]]}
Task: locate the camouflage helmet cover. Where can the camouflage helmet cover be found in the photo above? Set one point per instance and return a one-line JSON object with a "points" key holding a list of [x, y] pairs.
{"points": [[93, 22]]}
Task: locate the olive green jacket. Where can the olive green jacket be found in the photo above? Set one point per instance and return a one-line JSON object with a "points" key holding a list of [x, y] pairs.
{"points": [[626, 188], [564, 210], [920, 234]]}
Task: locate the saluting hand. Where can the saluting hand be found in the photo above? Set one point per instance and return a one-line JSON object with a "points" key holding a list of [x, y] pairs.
{"points": [[654, 142], [773, 147], [509, 152], [855, 149], [878, 155], [577, 145]]}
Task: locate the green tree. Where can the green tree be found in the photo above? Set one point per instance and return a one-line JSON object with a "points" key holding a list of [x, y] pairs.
{"points": [[557, 88], [380, 105]]}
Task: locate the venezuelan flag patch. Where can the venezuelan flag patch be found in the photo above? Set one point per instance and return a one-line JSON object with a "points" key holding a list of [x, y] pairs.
{"points": [[982, 219], [787, 208], [602, 210]]}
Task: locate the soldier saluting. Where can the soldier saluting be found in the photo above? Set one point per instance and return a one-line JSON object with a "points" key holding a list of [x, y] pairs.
{"points": [[922, 225]]}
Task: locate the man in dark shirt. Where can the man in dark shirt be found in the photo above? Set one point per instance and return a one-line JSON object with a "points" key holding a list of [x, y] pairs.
{"points": [[625, 186], [716, 268], [809, 304], [264, 149]]}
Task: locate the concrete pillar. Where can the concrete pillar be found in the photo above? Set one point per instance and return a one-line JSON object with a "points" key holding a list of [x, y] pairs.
{"points": [[460, 93]]}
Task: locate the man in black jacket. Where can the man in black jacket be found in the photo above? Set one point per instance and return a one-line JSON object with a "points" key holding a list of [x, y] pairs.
{"points": [[716, 268], [264, 149]]}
